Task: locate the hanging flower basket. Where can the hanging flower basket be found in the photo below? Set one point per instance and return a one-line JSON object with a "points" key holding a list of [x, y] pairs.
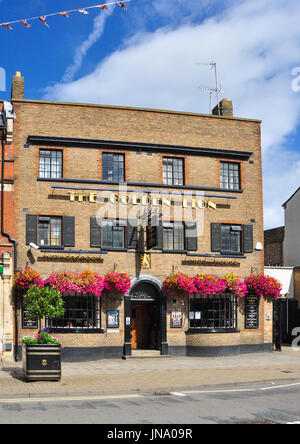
{"points": [[178, 284], [86, 282], [117, 283], [26, 278], [263, 285], [206, 284], [235, 285]]}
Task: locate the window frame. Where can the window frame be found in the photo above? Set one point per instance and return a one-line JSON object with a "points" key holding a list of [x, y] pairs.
{"points": [[93, 304], [51, 218], [164, 228], [113, 154], [231, 238], [222, 317], [52, 176], [115, 223], [173, 159], [222, 181]]}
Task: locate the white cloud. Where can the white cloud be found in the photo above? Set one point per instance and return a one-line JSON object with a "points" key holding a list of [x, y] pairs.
{"points": [[255, 44], [81, 51]]}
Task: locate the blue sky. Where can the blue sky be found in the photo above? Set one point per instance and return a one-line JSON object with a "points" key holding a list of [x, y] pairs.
{"points": [[147, 57]]}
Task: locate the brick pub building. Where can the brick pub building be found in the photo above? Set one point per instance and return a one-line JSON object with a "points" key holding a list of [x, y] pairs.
{"points": [[69, 154]]}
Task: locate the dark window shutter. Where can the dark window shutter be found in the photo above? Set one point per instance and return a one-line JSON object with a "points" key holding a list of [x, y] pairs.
{"points": [[69, 231], [216, 243], [132, 234], [159, 235], [248, 238], [31, 229], [191, 236], [95, 233]]}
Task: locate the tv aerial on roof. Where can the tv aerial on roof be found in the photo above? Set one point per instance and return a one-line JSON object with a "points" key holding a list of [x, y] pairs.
{"points": [[217, 90]]}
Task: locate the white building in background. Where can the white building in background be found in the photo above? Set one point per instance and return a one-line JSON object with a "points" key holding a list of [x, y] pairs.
{"points": [[291, 242], [285, 275]]}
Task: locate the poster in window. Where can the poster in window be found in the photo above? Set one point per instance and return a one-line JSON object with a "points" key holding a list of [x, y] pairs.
{"points": [[112, 319], [176, 319]]}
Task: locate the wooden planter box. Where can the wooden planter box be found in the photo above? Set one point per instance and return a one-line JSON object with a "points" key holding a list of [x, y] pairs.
{"points": [[42, 362]]}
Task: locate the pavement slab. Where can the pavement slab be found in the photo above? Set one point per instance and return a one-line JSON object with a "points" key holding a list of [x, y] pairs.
{"points": [[152, 374]]}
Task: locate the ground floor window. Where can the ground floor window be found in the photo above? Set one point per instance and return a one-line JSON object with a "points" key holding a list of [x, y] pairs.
{"points": [[213, 311], [83, 313]]}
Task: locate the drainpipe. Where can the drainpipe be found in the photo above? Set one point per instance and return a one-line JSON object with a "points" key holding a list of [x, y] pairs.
{"points": [[7, 235]]}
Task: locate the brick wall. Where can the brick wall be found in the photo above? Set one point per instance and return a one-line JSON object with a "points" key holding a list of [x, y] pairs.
{"points": [[143, 126], [273, 240]]}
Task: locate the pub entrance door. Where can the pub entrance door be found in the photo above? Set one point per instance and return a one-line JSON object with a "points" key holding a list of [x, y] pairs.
{"points": [[145, 317]]}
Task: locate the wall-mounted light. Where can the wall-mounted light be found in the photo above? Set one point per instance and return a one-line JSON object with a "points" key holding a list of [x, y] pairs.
{"points": [[259, 246]]}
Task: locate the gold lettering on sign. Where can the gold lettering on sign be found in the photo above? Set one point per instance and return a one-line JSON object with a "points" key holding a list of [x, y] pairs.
{"points": [[210, 261], [133, 199], [72, 258]]}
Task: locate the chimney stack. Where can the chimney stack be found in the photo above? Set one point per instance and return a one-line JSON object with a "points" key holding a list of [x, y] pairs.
{"points": [[225, 108], [17, 90]]}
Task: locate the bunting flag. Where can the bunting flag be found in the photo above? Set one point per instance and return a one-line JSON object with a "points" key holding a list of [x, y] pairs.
{"points": [[43, 20], [122, 5], [24, 22], [85, 11], [64, 14], [6, 26]]}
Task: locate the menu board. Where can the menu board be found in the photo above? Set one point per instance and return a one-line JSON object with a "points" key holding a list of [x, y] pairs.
{"points": [[28, 323], [251, 312]]}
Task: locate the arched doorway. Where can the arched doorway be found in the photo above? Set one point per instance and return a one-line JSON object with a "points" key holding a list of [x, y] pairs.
{"points": [[145, 316]]}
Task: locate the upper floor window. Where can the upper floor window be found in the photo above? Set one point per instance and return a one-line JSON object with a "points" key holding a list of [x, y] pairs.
{"points": [[231, 238], [50, 231], [230, 176], [113, 234], [173, 236], [173, 173], [113, 167], [50, 164]]}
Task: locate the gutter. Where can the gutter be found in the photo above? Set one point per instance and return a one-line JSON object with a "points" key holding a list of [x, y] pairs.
{"points": [[8, 236]]}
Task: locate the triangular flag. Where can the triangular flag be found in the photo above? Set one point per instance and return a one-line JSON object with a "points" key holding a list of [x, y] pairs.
{"points": [[64, 14], [24, 22], [43, 20], [6, 26], [103, 7], [82, 11], [122, 5]]}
